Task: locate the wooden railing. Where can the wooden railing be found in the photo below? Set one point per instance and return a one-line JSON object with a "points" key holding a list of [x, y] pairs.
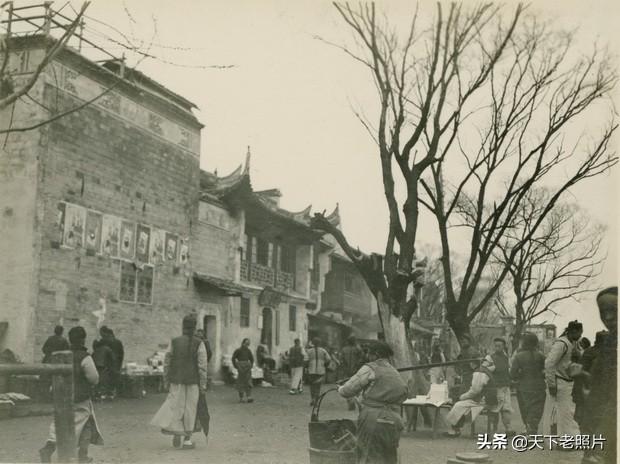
{"points": [[61, 370]]}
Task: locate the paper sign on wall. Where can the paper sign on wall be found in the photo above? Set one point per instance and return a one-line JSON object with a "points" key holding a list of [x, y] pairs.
{"points": [[110, 235], [93, 231], [142, 243], [158, 239], [75, 219], [171, 247], [184, 251], [127, 240]]}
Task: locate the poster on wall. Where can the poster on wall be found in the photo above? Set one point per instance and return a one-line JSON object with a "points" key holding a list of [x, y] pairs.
{"points": [[183, 250], [171, 247], [143, 236], [127, 240], [93, 231], [59, 226], [110, 235], [158, 238], [75, 219]]}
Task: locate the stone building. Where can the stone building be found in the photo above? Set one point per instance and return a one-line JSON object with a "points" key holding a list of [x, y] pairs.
{"points": [[264, 263], [97, 206]]}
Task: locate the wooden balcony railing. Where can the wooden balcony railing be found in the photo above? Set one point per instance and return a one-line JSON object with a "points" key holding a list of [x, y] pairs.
{"points": [[265, 275]]}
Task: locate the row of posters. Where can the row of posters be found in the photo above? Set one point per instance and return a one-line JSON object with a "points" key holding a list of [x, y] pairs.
{"points": [[111, 236]]}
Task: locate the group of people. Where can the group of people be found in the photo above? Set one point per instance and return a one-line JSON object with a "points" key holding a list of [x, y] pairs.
{"points": [[577, 386], [572, 390], [108, 355]]}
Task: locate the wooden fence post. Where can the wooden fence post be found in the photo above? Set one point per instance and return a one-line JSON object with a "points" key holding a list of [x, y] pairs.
{"points": [[64, 419]]}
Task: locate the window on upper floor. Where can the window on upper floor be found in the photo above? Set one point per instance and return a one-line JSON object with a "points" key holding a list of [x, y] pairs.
{"points": [[287, 261], [244, 313], [292, 318], [262, 252]]}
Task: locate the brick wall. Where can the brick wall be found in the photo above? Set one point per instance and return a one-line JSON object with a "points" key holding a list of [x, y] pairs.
{"points": [[19, 171], [216, 237], [100, 161]]}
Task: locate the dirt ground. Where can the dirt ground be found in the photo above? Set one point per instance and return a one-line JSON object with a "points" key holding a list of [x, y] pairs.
{"points": [[272, 430]]}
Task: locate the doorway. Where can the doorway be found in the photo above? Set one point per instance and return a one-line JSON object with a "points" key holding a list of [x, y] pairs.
{"points": [[266, 336], [209, 325]]}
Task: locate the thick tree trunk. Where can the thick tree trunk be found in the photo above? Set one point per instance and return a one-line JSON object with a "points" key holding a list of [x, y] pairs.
{"points": [[457, 318], [395, 335]]}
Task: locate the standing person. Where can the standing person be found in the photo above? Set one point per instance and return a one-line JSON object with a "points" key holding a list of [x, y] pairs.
{"points": [[108, 337], [501, 376], [581, 384], [296, 363], [84, 378], [243, 360], [318, 358], [352, 358], [383, 390], [103, 358], [528, 369], [482, 392], [185, 371], [558, 365], [602, 402], [203, 418], [54, 342], [438, 374]]}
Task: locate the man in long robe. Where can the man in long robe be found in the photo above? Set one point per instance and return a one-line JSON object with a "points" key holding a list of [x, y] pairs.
{"points": [[185, 370], [243, 360], [85, 377], [560, 407]]}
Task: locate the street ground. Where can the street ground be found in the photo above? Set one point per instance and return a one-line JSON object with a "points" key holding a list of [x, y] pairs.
{"points": [[272, 430]]}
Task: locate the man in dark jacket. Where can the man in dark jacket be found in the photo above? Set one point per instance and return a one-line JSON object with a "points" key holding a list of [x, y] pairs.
{"points": [[602, 402], [55, 342], [105, 363], [296, 363], [109, 339], [465, 370], [501, 376]]}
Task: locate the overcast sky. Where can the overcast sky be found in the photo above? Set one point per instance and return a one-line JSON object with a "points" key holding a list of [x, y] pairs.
{"points": [[289, 97]]}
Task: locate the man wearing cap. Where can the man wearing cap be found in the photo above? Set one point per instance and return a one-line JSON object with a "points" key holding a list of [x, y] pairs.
{"points": [[560, 407], [481, 393], [185, 370]]}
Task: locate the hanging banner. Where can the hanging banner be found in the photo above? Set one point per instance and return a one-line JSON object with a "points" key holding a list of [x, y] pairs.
{"points": [[93, 231], [142, 243], [60, 222], [183, 251], [158, 239], [110, 235], [73, 233], [171, 247], [127, 240]]}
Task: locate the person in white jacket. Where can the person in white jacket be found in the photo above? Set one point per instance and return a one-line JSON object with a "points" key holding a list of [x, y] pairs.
{"points": [[559, 371], [481, 393]]}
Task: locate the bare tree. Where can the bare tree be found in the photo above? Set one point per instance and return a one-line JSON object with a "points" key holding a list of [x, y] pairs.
{"points": [[9, 91], [537, 98], [422, 88], [554, 264]]}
